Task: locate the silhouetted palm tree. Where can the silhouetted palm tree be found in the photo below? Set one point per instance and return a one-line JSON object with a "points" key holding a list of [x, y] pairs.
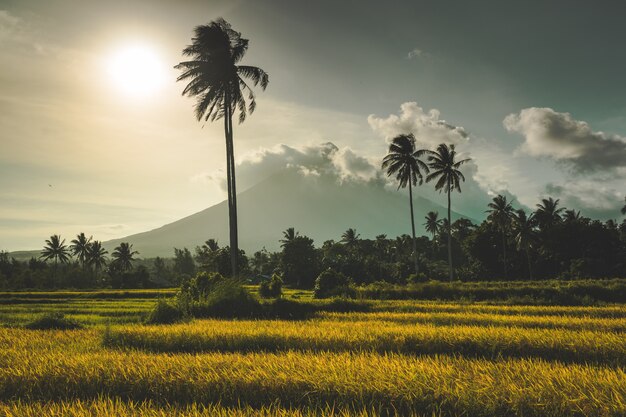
{"points": [[211, 246], [433, 223], [96, 256], [571, 216], [624, 208], [123, 256], [445, 169], [500, 212], [79, 248], [403, 161], [55, 249], [288, 236], [547, 213], [350, 237], [524, 234], [219, 84]]}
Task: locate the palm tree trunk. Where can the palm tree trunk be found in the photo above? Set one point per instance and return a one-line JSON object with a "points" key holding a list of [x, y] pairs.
{"points": [[54, 272], [450, 235], [504, 253], [232, 215], [234, 244], [413, 228], [530, 272]]}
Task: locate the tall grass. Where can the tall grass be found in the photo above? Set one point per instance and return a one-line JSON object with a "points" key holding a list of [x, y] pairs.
{"points": [[383, 337], [116, 408], [486, 319]]}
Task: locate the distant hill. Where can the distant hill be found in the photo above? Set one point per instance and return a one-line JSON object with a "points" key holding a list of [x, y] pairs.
{"points": [[318, 207]]}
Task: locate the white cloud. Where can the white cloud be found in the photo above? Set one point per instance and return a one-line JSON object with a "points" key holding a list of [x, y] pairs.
{"points": [[560, 137], [415, 53], [10, 26], [429, 129], [592, 198], [339, 164]]}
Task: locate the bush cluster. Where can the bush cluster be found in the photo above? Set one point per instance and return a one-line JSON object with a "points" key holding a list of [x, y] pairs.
{"points": [[53, 321], [333, 284], [271, 288], [583, 292]]}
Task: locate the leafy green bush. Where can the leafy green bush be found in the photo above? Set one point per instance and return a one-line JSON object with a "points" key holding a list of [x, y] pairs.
{"points": [[164, 313], [271, 288], [333, 284], [55, 320], [226, 299]]}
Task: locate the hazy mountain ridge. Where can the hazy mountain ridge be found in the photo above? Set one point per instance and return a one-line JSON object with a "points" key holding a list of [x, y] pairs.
{"points": [[318, 207]]}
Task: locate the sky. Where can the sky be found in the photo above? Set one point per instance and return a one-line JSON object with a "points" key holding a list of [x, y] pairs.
{"points": [[95, 136]]}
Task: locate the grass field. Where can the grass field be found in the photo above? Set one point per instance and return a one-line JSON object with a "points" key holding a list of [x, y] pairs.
{"points": [[400, 358]]}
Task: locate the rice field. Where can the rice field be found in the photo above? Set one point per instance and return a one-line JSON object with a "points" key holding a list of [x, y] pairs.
{"points": [[405, 358]]}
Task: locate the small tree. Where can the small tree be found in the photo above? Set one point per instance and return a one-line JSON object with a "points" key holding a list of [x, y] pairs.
{"points": [[299, 262]]}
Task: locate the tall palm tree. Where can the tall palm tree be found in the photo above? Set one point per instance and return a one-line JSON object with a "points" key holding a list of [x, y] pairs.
{"points": [[96, 256], [55, 249], [403, 161], [500, 212], [219, 85], [524, 234], [547, 213], [79, 248], [445, 169], [288, 236], [123, 256], [624, 208]]}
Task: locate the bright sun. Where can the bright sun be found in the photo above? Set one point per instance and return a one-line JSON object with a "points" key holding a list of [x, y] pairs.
{"points": [[136, 70]]}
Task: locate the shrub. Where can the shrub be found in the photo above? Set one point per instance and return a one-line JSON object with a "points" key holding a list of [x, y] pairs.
{"points": [[271, 288], [164, 313], [333, 284], [56, 321], [227, 299], [288, 310], [417, 278]]}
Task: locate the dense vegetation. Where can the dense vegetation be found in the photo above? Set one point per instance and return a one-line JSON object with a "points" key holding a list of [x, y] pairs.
{"points": [[565, 247]]}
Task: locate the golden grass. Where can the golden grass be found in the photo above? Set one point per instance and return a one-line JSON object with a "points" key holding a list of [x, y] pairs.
{"points": [[410, 359], [486, 319], [69, 365], [373, 336], [116, 408]]}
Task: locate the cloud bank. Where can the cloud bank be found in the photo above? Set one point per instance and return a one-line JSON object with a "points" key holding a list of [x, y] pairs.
{"points": [[324, 160], [595, 200], [571, 142], [428, 127]]}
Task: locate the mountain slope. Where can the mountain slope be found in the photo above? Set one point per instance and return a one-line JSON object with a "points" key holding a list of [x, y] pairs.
{"points": [[318, 207]]}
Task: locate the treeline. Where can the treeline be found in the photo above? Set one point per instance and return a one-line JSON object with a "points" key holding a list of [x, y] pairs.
{"points": [[82, 264], [549, 243]]}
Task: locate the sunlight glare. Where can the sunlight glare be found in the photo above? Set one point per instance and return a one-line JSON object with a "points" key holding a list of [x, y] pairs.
{"points": [[136, 70]]}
